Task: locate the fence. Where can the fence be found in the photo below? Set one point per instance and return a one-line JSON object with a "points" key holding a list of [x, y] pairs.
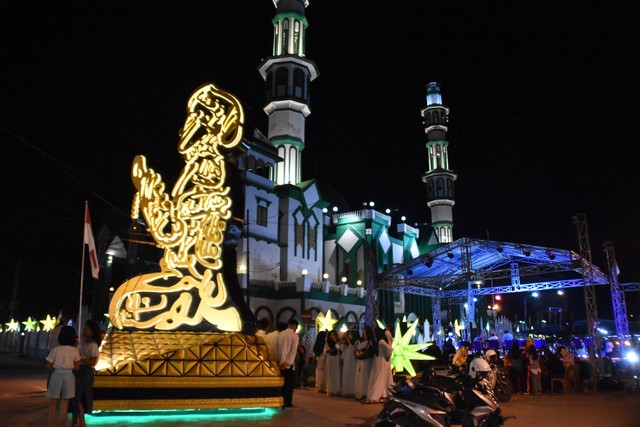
{"points": [[34, 344]]}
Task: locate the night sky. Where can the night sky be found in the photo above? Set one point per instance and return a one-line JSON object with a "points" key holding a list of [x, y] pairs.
{"points": [[544, 100]]}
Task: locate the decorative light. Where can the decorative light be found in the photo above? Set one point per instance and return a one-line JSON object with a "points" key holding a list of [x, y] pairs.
{"points": [[325, 322], [325, 276], [108, 317], [387, 211], [13, 326], [535, 294], [403, 218], [192, 262], [343, 280], [489, 307], [304, 272], [372, 204], [243, 269], [403, 352], [381, 324], [475, 299], [335, 209], [561, 292], [498, 297], [344, 328], [359, 283], [325, 210], [30, 324], [49, 323]]}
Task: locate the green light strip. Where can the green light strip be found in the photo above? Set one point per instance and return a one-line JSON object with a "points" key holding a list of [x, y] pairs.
{"points": [[134, 417]]}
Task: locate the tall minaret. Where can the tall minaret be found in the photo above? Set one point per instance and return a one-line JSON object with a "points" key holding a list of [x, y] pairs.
{"points": [[287, 74], [439, 178]]}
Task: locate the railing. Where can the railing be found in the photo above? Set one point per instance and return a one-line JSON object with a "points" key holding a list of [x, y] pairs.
{"points": [[267, 284], [287, 285], [315, 286], [33, 344]]}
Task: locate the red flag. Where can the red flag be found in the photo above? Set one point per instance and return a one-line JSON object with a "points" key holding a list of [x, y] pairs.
{"points": [[88, 240]]}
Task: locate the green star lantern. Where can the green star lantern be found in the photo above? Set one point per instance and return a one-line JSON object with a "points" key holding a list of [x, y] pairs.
{"points": [[30, 324], [403, 352]]}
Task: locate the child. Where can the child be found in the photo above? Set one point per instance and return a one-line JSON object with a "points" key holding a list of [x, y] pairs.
{"points": [[61, 362], [309, 373]]}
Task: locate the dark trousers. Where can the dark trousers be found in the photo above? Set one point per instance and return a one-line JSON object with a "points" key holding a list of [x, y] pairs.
{"points": [[289, 376]]}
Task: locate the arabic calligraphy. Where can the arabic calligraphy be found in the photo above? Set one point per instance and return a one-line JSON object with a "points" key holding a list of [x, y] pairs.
{"points": [[189, 224]]}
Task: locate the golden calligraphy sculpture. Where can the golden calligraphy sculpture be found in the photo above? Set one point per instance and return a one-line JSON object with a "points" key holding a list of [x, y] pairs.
{"points": [[189, 224]]}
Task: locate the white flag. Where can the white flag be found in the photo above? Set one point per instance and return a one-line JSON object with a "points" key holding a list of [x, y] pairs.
{"points": [[88, 240]]}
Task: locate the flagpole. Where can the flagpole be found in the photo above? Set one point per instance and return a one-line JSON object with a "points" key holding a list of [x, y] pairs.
{"points": [[86, 208]]}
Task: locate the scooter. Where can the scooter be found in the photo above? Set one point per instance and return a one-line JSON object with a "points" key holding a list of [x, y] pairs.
{"points": [[439, 401]]}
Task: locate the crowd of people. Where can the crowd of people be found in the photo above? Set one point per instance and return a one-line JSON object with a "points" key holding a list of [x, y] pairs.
{"points": [[529, 368], [71, 364], [346, 364]]}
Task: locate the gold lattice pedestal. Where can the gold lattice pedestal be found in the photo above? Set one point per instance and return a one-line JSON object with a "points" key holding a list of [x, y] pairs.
{"points": [[185, 370]]}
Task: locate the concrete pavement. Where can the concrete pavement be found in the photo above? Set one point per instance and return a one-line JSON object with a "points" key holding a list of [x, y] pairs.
{"points": [[23, 383]]}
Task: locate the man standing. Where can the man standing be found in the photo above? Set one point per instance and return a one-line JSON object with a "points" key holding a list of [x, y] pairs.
{"points": [[286, 350]]}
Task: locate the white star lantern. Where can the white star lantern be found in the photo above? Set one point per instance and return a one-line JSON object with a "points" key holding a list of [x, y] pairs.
{"points": [[49, 323], [325, 323]]}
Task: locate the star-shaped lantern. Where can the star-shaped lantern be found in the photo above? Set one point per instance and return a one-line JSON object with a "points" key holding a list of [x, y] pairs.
{"points": [[30, 324], [49, 323], [325, 323], [13, 326], [403, 352]]}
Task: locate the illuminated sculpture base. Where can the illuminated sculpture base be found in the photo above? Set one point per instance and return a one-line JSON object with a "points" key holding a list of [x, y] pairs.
{"points": [[142, 370]]}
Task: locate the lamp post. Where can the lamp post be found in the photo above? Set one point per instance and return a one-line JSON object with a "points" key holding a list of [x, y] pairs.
{"points": [[534, 294]]}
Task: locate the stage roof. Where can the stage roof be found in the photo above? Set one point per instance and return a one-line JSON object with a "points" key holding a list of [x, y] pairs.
{"points": [[448, 270]]}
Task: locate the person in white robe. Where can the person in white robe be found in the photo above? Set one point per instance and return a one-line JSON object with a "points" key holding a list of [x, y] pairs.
{"points": [[347, 388], [321, 361], [379, 381], [334, 375], [364, 358]]}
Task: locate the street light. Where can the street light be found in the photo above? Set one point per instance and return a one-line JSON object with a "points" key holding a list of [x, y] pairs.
{"points": [[534, 294]]}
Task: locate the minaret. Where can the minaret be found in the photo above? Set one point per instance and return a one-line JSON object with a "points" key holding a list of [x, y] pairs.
{"points": [[439, 177], [287, 74]]}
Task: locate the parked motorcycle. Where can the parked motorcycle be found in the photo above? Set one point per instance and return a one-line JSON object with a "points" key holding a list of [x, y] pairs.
{"points": [[440, 400], [497, 379]]}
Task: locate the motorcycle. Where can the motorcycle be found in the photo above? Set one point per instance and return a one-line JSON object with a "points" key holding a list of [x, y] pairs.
{"points": [[440, 400], [497, 380]]}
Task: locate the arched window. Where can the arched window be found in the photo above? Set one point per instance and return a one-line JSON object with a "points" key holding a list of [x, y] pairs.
{"points": [[298, 82], [430, 190], [285, 36], [440, 187], [436, 117], [269, 84], [282, 75], [449, 188]]}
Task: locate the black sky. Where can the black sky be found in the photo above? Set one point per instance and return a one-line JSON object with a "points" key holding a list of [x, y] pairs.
{"points": [[544, 100]]}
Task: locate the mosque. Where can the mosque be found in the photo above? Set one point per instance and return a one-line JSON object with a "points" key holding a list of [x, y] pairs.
{"points": [[302, 257]]}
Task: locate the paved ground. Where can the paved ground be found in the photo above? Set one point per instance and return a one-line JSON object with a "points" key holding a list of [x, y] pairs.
{"points": [[22, 404]]}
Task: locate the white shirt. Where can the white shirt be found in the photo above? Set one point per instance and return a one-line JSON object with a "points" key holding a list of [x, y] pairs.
{"points": [[63, 357], [270, 341], [287, 347], [89, 350]]}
